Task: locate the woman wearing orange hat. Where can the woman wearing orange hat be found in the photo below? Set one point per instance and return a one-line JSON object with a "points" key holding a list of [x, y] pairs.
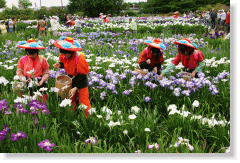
{"points": [[75, 66], [151, 58], [33, 61], [191, 58]]}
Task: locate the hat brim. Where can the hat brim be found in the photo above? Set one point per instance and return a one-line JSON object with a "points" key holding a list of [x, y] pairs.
{"points": [[154, 46], [27, 47], [188, 44], [58, 45]]}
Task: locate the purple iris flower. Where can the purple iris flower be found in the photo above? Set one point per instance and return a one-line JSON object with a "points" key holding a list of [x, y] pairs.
{"points": [[3, 102], [215, 91], [147, 99], [186, 92], [46, 145], [20, 134], [111, 86], [103, 95], [3, 108], [23, 110], [126, 92], [115, 92], [148, 84], [35, 121], [44, 127], [3, 134], [46, 112], [6, 128]]}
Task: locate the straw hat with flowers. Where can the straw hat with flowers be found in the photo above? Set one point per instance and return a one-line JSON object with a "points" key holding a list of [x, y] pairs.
{"points": [[156, 44], [186, 42], [30, 44], [67, 43]]}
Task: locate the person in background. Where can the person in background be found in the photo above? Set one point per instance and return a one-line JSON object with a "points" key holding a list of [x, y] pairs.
{"points": [[72, 23], [78, 24], [202, 15], [207, 21], [3, 28], [217, 28], [45, 19], [108, 17], [10, 26], [151, 58], [57, 18], [222, 20], [184, 15], [15, 24], [74, 16], [191, 58], [105, 19], [41, 24], [54, 23], [133, 25], [32, 60], [176, 15], [213, 18], [77, 68], [228, 22], [190, 15]]}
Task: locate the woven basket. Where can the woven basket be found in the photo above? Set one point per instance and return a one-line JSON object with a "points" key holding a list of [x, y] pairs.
{"points": [[18, 91], [140, 71], [186, 76], [62, 81]]}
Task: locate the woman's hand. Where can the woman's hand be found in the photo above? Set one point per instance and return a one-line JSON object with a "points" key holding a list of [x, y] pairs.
{"points": [[160, 76], [40, 83], [148, 61], [28, 80], [56, 65], [155, 69], [193, 73], [72, 92]]}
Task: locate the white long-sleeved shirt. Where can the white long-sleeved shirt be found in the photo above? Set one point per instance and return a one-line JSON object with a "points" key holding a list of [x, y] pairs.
{"points": [[54, 24], [223, 16], [78, 23], [207, 16]]}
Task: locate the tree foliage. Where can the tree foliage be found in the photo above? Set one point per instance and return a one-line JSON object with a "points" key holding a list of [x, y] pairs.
{"points": [[163, 6], [25, 3], [2, 3], [93, 8]]}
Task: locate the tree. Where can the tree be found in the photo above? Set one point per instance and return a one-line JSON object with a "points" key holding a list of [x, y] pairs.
{"points": [[93, 8], [25, 3], [2, 3]]}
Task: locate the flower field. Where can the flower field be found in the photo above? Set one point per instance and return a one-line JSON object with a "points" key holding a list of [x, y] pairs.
{"points": [[130, 113]]}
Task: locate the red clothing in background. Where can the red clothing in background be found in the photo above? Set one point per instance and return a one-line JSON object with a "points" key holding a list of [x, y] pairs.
{"points": [[228, 18]]}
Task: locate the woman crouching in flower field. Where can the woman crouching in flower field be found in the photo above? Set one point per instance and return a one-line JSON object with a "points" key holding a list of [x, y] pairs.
{"points": [[33, 65], [191, 58], [75, 66], [151, 57]]}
